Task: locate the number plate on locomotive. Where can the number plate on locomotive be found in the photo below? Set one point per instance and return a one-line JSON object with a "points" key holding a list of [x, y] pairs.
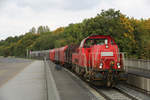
{"points": [[106, 53]]}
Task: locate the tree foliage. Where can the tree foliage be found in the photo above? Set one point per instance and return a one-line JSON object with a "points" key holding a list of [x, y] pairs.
{"points": [[131, 35]]}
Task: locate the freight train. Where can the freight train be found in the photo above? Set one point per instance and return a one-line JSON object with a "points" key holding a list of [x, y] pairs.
{"points": [[97, 59]]}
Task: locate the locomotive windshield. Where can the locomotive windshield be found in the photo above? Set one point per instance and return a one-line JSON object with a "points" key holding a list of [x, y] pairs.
{"points": [[99, 41]]}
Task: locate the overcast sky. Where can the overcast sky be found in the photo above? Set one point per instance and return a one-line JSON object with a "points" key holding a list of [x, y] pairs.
{"points": [[18, 16]]}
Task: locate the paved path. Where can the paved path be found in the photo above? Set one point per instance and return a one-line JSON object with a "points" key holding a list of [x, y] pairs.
{"points": [[9, 70], [38, 80], [29, 84], [68, 88]]}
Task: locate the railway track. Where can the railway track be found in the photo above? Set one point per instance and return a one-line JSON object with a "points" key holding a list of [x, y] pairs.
{"points": [[113, 93], [138, 94]]}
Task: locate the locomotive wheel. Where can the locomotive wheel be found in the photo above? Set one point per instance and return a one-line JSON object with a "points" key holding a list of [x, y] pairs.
{"points": [[82, 72], [73, 68]]}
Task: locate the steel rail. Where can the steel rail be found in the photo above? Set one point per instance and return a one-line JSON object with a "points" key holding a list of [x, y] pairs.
{"points": [[125, 93]]}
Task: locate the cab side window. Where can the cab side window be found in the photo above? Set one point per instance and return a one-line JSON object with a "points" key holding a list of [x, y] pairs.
{"points": [[88, 43], [112, 43]]}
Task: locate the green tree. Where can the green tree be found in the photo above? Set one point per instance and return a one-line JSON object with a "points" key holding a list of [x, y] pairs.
{"points": [[32, 30]]}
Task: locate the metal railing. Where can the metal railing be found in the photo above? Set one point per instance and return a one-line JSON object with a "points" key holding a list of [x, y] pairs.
{"points": [[139, 64]]}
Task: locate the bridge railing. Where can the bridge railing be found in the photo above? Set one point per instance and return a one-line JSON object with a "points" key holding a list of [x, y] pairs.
{"points": [[137, 64]]}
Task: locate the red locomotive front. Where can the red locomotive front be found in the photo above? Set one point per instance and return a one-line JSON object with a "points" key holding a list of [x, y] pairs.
{"points": [[98, 59]]}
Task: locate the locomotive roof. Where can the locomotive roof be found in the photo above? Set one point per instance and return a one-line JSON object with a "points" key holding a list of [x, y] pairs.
{"points": [[99, 36]]}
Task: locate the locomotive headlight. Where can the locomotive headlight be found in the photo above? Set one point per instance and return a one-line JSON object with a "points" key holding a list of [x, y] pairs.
{"points": [[101, 65], [118, 65]]}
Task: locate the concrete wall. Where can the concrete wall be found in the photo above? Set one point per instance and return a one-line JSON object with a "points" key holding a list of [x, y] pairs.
{"points": [[142, 65], [140, 82], [139, 69]]}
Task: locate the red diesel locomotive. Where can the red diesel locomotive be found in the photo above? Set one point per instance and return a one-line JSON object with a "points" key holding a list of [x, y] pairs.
{"points": [[97, 59]]}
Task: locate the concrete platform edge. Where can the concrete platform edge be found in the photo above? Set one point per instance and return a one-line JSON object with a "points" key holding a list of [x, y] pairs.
{"points": [[53, 93]]}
